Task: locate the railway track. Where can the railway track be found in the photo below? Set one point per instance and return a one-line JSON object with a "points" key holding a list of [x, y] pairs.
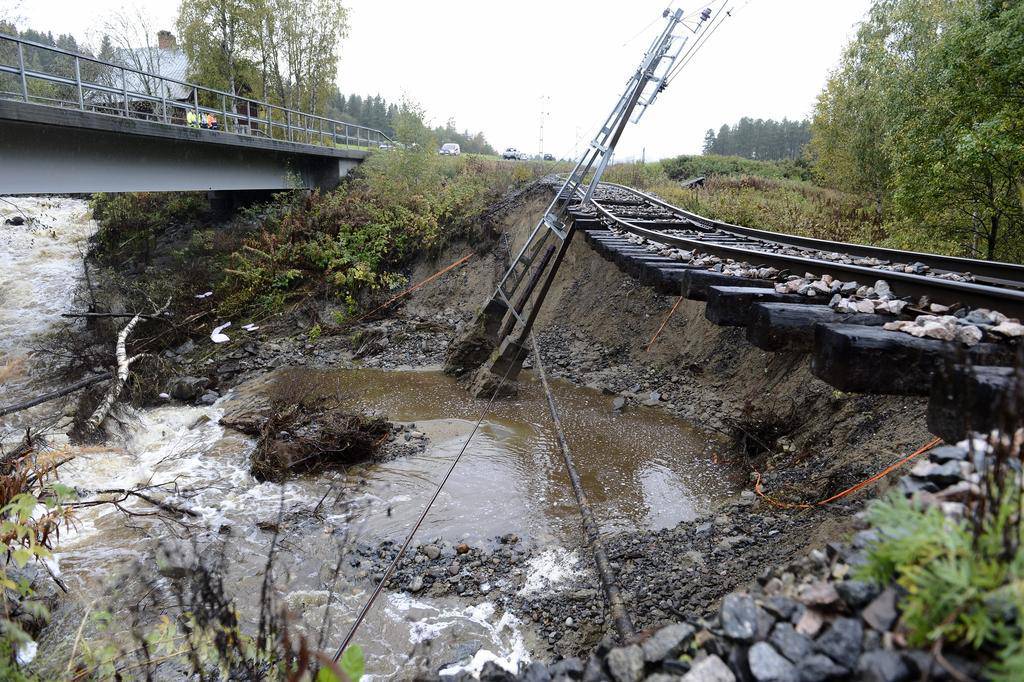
{"points": [[944, 279], [742, 275]]}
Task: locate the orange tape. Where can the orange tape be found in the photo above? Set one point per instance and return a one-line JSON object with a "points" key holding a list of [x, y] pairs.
{"points": [[662, 327], [414, 288], [849, 491]]}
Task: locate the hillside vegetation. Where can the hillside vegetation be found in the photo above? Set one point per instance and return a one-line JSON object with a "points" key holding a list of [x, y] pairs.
{"points": [[347, 246], [924, 114], [769, 195]]}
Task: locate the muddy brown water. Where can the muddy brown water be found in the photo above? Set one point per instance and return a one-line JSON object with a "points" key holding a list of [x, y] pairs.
{"points": [[641, 468]]}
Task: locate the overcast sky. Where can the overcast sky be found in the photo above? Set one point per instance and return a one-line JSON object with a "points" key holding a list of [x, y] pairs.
{"points": [[495, 66]]}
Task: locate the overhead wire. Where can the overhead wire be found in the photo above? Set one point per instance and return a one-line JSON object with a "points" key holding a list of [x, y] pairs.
{"points": [[720, 16], [416, 526]]}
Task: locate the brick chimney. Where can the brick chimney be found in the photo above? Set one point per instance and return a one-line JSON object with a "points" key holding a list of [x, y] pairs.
{"points": [[165, 40]]}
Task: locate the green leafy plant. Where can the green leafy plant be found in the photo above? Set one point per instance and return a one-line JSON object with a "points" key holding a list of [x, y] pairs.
{"points": [[962, 579]]}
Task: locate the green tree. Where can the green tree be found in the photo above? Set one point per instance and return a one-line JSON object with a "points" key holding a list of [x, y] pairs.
{"points": [[957, 146], [216, 36], [709, 141], [284, 51], [924, 114]]}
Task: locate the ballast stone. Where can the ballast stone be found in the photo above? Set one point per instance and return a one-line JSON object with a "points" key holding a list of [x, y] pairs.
{"points": [[842, 642], [626, 663], [711, 669], [739, 617], [666, 642], [768, 665], [882, 666], [818, 668], [790, 643]]}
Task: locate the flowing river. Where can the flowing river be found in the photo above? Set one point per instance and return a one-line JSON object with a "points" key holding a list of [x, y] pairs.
{"points": [[641, 468]]}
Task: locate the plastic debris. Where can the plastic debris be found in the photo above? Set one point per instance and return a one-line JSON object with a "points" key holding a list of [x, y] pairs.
{"points": [[217, 336]]}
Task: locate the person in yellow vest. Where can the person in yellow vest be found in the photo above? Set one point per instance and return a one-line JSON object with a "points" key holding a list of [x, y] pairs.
{"points": [[191, 119]]}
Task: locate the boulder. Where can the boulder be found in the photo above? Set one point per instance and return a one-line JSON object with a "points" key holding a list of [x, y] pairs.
{"points": [[187, 389]]}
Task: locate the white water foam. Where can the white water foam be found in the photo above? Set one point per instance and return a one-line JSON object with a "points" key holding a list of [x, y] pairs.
{"points": [[504, 645], [40, 265], [547, 569]]}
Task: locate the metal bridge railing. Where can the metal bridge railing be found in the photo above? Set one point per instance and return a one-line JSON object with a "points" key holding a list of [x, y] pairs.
{"points": [[47, 75]]}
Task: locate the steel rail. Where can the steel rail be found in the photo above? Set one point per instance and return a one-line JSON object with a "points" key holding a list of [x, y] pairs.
{"points": [[326, 135], [957, 264], [1007, 301]]}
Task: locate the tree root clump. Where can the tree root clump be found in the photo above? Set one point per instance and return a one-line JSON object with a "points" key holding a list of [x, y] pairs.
{"points": [[302, 439]]}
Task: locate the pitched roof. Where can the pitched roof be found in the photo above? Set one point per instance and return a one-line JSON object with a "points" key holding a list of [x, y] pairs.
{"points": [[160, 62]]}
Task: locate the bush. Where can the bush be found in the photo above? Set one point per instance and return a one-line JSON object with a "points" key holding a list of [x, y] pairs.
{"points": [[130, 222], [710, 165], [359, 238]]}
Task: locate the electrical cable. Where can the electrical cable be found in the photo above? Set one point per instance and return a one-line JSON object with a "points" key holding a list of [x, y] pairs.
{"points": [[705, 35], [716, 20], [616, 604]]}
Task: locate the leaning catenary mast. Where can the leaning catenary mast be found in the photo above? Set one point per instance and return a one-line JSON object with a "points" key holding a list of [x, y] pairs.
{"points": [[496, 341]]}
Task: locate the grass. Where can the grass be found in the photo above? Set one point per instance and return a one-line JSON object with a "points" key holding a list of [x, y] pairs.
{"points": [[961, 579], [781, 197]]}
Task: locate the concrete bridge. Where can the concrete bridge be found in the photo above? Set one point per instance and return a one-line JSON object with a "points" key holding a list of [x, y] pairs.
{"points": [[82, 125]]}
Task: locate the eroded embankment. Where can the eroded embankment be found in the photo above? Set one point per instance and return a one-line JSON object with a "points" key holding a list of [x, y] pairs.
{"points": [[807, 440]]}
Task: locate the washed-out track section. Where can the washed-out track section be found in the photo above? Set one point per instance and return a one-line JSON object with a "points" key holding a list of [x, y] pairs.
{"points": [[968, 388]]}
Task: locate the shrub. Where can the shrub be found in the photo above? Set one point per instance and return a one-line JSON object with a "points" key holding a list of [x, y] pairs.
{"points": [[963, 580], [709, 165], [359, 238], [131, 221]]}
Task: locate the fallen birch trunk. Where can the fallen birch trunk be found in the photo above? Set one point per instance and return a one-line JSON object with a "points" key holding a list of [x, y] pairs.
{"points": [[124, 364]]}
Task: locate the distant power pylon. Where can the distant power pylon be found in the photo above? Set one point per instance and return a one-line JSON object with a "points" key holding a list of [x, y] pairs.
{"points": [[545, 102]]}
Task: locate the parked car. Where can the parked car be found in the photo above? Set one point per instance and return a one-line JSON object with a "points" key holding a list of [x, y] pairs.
{"points": [[385, 146], [523, 156], [450, 149], [549, 157], [510, 153]]}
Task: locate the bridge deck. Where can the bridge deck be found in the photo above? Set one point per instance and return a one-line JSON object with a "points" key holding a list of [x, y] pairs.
{"points": [[46, 149]]}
